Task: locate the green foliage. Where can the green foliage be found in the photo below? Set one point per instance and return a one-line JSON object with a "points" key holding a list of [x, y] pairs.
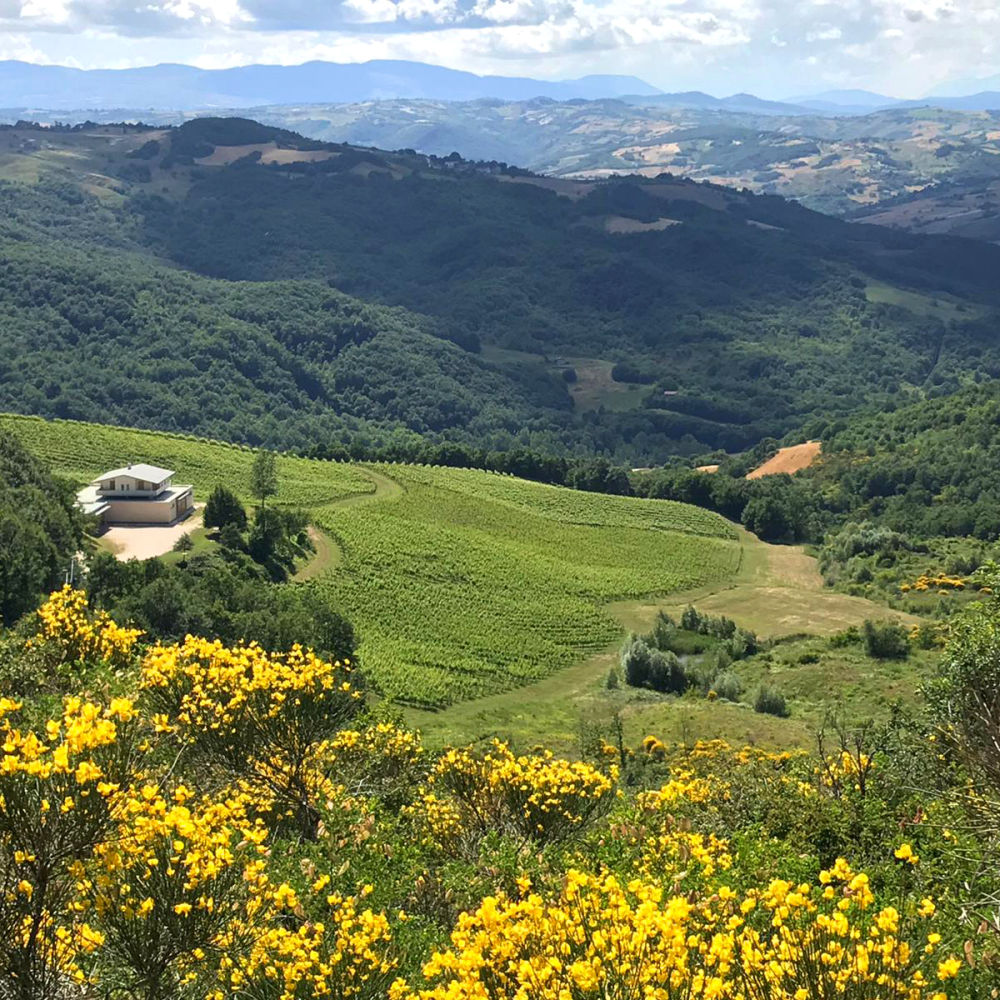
{"points": [[771, 702], [727, 686], [263, 477], [886, 640], [645, 667], [222, 508], [228, 598], [184, 543], [40, 531]]}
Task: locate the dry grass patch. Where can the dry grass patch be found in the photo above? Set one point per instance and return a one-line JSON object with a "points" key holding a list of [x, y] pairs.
{"points": [[788, 460]]}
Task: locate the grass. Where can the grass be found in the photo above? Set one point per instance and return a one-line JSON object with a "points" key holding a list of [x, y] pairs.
{"points": [[461, 583], [941, 307], [776, 592]]}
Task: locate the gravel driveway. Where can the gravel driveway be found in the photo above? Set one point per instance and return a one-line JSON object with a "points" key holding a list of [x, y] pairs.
{"points": [[128, 542]]}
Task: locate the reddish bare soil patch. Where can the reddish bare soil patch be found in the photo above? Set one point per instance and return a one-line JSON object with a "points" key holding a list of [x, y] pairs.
{"points": [[789, 460]]}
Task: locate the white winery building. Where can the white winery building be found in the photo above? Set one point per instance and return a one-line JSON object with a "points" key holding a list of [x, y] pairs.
{"points": [[137, 494]]}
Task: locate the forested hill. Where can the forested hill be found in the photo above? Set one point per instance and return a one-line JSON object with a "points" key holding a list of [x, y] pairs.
{"points": [[929, 468], [208, 279]]}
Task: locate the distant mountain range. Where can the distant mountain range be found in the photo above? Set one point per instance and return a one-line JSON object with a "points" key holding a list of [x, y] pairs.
{"points": [[169, 87], [26, 85]]}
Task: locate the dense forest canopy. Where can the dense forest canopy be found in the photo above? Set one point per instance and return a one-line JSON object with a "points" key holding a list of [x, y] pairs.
{"points": [[358, 293]]}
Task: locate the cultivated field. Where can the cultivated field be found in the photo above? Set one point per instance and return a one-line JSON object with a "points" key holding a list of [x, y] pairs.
{"points": [[461, 583]]}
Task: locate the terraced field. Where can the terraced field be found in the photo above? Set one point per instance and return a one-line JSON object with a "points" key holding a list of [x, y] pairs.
{"points": [[461, 583]]}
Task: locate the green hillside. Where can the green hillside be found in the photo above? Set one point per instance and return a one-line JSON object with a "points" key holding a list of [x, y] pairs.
{"points": [[461, 583], [243, 283]]}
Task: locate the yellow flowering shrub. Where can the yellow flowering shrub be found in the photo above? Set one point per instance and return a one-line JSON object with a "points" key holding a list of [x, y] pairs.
{"points": [[381, 761], [282, 956], [534, 797], [75, 634], [166, 889], [264, 719], [608, 940], [61, 794]]}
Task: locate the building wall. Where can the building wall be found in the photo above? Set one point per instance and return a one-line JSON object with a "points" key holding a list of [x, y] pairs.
{"points": [[140, 511], [132, 485]]}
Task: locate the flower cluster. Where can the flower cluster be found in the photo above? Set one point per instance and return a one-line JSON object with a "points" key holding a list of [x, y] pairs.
{"points": [[602, 938], [77, 635], [535, 797], [61, 791], [939, 582], [165, 889], [263, 719], [346, 954], [381, 761]]}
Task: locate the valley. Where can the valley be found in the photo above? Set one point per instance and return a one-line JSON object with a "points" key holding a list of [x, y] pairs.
{"points": [[592, 589]]}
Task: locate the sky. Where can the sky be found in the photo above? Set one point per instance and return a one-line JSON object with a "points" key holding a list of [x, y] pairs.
{"points": [[774, 48]]}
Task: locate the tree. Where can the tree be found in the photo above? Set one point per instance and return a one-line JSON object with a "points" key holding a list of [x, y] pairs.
{"points": [[40, 529], [264, 476], [223, 507]]}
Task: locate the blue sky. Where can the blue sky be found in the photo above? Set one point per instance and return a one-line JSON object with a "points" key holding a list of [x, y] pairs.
{"points": [[775, 48]]}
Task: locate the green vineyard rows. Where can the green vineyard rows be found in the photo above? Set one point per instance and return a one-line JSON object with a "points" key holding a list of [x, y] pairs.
{"points": [[467, 583], [460, 583], [80, 451]]}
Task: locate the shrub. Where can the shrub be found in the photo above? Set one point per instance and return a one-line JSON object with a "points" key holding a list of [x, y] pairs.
{"points": [[666, 673], [184, 543], [635, 659], [885, 640], [222, 508], [771, 702], [728, 686]]}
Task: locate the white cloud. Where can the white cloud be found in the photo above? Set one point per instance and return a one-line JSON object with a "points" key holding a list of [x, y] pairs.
{"points": [[774, 47]]}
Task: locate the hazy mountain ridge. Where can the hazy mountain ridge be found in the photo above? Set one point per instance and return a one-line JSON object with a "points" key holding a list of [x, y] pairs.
{"points": [[25, 85]]}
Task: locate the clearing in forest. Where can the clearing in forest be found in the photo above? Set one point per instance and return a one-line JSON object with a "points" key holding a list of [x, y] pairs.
{"points": [[795, 458]]}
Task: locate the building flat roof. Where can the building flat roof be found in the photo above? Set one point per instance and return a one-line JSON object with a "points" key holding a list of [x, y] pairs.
{"points": [[89, 496], [151, 473]]}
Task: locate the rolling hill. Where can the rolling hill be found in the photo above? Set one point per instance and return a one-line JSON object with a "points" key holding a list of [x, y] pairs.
{"points": [[238, 281], [911, 166], [461, 583]]}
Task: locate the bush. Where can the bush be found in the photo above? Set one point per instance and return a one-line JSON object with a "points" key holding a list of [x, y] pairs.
{"points": [[184, 543], [885, 640], [223, 507], [771, 702], [666, 673], [728, 686], [635, 659], [645, 667]]}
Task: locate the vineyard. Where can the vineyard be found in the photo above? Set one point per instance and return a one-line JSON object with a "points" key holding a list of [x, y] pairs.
{"points": [[461, 583], [80, 451]]}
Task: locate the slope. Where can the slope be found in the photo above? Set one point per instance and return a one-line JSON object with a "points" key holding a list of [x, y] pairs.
{"points": [[462, 583], [687, 316]]}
